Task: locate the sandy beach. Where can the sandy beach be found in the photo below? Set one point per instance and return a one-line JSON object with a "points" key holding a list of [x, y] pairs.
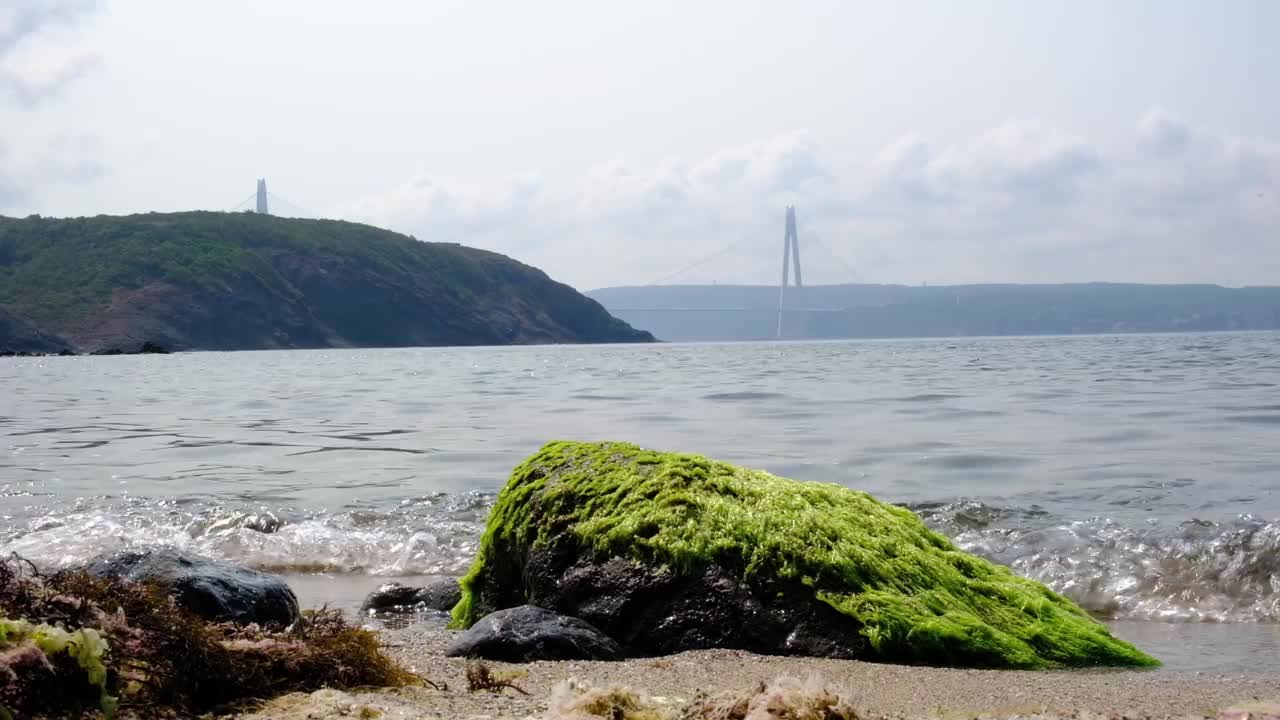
{"points": [[875, 690]]}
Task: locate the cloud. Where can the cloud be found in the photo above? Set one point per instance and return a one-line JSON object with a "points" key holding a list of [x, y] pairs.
{"points": [[618, 217], [1020, 161], [10, 191], [43, 47], [54, 161], [1181, 170], [1023, 201]]}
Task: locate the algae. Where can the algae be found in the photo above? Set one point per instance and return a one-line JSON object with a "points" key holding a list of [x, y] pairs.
{"points": [[908, 590], [42, 644]]}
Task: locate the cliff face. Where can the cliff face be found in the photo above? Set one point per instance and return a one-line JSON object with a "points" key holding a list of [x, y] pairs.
{"points": [[225, 281], [19, 336]]}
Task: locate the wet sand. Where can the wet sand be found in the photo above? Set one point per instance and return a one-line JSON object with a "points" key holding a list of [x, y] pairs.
{"points": [[874, 689]]}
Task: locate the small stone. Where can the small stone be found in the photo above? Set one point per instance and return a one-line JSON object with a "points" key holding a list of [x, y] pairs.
{"points": [[265, 523], [440, 594], [212, 589], [527, 633]]}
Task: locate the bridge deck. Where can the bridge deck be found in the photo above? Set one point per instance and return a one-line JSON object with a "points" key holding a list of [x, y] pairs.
{"points": [[720, 309]]}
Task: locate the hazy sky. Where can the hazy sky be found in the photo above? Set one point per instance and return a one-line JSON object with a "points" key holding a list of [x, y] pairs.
{"points": [[615, 143]]}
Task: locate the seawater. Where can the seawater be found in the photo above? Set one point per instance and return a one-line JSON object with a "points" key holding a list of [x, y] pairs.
{"points": [[1136, 474]]}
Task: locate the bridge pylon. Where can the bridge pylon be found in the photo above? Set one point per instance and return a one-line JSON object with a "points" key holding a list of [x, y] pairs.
{"points": [[262, 197], [790, 256]]}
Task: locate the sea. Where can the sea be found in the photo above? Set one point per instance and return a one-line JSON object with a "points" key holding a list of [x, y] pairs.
{"points": [[1137, 474]]}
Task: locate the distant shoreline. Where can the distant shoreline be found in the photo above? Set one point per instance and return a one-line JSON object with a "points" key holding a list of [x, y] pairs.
{"points": [[665, 343], [720, 312]]}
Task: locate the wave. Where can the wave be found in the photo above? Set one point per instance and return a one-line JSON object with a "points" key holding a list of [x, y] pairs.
{"points": [[431, 535], [1192, 571]]}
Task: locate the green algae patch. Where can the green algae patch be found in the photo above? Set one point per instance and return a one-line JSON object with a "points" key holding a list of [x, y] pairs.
{"points": [[45, 647], [907, 590]]}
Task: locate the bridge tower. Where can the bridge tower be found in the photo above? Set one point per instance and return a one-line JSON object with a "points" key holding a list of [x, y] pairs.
{"points": [[790, 256], [262, 197]]}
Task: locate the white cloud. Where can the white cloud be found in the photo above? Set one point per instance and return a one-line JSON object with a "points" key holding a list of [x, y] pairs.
{"points": [[28, 170], [1183, 171], [1022, 162], [44, 47], [1021, 202]]}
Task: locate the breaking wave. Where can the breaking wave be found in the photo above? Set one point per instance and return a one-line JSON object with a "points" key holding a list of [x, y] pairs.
{"points": [[430, 535], [1192, 571]]}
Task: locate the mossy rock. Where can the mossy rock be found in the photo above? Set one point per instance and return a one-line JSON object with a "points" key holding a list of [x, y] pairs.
{"points": [[667, 552]]}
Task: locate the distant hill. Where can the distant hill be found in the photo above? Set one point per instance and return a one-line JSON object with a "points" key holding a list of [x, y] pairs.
{"points": [[224, 281], [726, 312]]}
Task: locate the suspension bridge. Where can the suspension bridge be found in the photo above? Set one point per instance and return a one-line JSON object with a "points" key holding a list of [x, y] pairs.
{"points": [[791, 315], [263, 201], [795, 303]]}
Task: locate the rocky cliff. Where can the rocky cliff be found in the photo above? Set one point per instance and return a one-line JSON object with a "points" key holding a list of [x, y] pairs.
{"points": [[19, 336]]}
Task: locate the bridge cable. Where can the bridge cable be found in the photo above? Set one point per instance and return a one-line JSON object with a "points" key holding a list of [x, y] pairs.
{"points": [[240, 204], [293, 205], [722, 251], [853, 274]]}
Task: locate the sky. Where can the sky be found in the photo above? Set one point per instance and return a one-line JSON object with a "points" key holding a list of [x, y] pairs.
{"points": [[614, 143]]}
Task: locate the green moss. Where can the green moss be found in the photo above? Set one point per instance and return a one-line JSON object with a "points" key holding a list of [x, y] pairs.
{"points": [[914, 595]]}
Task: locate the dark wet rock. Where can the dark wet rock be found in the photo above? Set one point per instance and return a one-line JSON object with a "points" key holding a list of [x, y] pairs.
{"points": [[212, 589], [440, 594], [651, 610], [146, 348], [527, 633], [265, 523]]}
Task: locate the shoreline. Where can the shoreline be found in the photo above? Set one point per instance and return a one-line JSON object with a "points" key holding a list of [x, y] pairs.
{"points": [[7, 352], [1232, 649], [874, 689]]}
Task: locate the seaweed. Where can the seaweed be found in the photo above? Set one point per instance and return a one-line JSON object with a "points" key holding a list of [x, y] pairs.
{"points": [[908, 590], [783, 698], [482, 677], [571, 700], [73, 644]]}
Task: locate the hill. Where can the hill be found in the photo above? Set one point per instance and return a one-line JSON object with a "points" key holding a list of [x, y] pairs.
{"points": [[725, 312], [224, 281]]}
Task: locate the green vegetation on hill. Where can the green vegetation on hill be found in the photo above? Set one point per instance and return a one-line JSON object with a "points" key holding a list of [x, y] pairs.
{"points": [[242, 280], [908, 590]]}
